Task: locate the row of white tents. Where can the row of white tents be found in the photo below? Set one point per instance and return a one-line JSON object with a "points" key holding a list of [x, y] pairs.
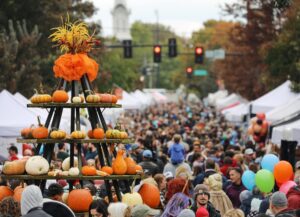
{"points": [[281, 106]]}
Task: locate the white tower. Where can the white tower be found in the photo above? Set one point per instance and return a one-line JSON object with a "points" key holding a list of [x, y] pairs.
{"points": [[120, 14]]}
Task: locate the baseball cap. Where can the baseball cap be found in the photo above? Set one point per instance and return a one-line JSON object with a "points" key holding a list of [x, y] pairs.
{"points": [[279, 199], [168, 175], [147, 153], [143, 210], [249, 151], [134, 146]]}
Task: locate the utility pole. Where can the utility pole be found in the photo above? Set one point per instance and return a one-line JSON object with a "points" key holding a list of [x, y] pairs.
{"points": [[157, 42]]}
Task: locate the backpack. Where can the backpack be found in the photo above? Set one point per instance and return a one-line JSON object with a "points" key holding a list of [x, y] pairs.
{"points": [[176, 153]]}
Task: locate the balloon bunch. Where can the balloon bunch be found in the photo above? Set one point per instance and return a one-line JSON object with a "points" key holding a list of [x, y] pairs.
{"points": [[271, 169], [258, 128]]}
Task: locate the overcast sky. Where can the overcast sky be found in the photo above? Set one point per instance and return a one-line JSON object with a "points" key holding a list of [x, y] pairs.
{"points": [[183, 16]]}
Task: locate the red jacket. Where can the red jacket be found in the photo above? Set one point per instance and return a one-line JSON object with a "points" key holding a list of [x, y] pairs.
{"points": [[293, 197]]}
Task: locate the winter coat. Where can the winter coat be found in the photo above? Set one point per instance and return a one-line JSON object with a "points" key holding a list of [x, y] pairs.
{"points": [[286, 213], [37, 212], [150, 166], [246, 205], [210, 208], [233, 191], [293, 197], [176, 153]]}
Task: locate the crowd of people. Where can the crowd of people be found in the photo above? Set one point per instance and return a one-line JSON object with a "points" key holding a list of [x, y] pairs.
{"points": [[194, 157]]}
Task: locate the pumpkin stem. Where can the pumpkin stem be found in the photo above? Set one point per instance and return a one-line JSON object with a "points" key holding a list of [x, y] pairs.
{"points": [[39, 121], [36, 91]]}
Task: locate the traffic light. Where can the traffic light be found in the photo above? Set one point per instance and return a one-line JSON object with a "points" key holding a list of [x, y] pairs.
{"points": [[157, 53], [199, 55], [172, 47], [127, 48], [189, 71]]}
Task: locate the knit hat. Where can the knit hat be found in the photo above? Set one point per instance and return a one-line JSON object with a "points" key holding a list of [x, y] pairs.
{"points": [[143, 210], [244, 195], [279, 199], [202, 212], [199, 187], [186, 213], [31, 198]]}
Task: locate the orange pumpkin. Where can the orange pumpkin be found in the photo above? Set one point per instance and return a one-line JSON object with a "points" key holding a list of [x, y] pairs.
{"points": [[119, 165], [106, 98], [98, 133], [26, 133], [114, 99], [18, 193], [150, 195], [60, 96], [88, 171], [131, 164], [16, 167], [138, 168], [123, 135], [40, 132], [79, 200], [90, 134], [107, 169], [5, 192]]}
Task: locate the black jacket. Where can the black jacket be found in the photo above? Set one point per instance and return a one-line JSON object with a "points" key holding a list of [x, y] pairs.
{"points": [[37, 212], [150, 166], [210, 208], [286, 213]]}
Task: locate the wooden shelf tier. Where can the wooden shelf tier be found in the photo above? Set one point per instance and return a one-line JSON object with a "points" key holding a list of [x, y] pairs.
{"points": [[76, 141], [80, 177], [74, 105]]}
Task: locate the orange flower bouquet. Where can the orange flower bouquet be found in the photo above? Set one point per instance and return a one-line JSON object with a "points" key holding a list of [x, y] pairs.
{"points": [[75, 41]]}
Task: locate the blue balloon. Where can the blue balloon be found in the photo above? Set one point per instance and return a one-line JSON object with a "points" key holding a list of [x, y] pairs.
{"points": [[269, 161], [248, 179]]}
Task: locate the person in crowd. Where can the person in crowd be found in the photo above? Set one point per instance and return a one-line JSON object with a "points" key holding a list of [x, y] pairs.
{"points": [[234, 213], [143, 210], [249, 156], [246, 198], [177, 185], [9, 207], [293, 195], [147, 164], [31, 202], [236, 187], [136, 153], [201, 199], [91, 152], [279, 205], [27, 153], [196, 149], [55, 192], [98, 208], [162, 185], [119, 210], [176, 204], [227, 163], [239, 158], [13, 153], [169, 176], [62, 154], [176, 151], [218, 198], [92, 189]]}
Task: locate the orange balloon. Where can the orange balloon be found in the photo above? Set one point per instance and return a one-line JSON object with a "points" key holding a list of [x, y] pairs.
{"points": [[283, 171]]}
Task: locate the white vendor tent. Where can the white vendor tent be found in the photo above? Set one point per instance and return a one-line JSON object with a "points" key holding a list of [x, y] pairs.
{"points": [[277, 97], [229, 101], [285, 111], [290, 132], [128, 102], [213, 97], [159, 97], [236, 113]]}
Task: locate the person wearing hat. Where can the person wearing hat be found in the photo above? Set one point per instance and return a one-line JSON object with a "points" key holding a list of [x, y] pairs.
{"points": [[147, 164], [201, 199], [143, 210], [279, 205], [136, 153], [249, 156], [31, 202]]}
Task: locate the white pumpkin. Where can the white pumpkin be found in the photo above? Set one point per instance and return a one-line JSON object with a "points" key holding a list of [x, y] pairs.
{"points": [[37, 165], [76, 99], [66, 163], [132, 199], [73, 171]]}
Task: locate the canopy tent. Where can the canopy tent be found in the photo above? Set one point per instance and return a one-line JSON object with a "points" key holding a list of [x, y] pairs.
{"points": [[144, 99], [128, 102], [230, 101], [285, 111], [290, 132], [159, 97], [277, 97], [236, 113], [213, 97]]}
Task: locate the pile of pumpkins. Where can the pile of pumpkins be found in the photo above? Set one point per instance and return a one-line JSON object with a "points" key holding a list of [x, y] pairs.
{"points": [[61, 96]]}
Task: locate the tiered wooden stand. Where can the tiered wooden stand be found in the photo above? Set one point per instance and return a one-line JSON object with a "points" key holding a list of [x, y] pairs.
{"points": [[96, 118]]}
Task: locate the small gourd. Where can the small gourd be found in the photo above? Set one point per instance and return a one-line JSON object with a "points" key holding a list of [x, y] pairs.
{"points": [[92, 98], [123, 135], [98, 133], [76, 99], [108, 134], [119, 165], [131, 165], [60, 96], [40, 132], [78, 134], [88, 170], [40, 98], [74, 171], [58, 134]]}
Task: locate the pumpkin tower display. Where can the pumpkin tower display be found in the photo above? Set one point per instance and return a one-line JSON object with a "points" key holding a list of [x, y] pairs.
{"points": [[75, 71]]}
